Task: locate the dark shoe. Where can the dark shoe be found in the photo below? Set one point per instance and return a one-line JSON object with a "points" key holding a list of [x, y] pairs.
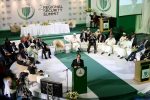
{"points": [[121, 57], [45, 57], [88, 51], [126, 59], [95, 52], [37, 62], [50, 57], [108, 54], [118, 56], [102, 53], [131, 60]]}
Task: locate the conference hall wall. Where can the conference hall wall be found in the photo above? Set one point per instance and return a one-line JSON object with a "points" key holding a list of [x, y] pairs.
{"points": [[34, 11], [127, 11], [108, 7], [124, 10]]}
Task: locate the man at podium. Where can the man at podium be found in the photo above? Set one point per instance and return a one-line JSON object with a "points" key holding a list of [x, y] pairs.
{"points": [[94, 20], [78, 62]]}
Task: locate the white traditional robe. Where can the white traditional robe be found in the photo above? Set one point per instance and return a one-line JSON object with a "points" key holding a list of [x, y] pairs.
{"points": [[121, 49], [108, 46], [32, 53], [75, 43]]}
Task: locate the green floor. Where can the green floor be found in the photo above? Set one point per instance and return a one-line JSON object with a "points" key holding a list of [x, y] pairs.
{"points": [[101, 81]]}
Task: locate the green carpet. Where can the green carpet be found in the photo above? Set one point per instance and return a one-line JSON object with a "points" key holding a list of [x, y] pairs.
{"points": [[101, 81]]}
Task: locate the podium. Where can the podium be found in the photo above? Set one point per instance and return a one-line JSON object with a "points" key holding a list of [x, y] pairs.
{"points": [[79, 80], [104, 24], [142, 71]]}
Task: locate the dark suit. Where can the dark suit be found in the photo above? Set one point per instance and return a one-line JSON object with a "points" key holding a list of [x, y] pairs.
{"points": [[92, 42], [94, 20], [27, 44], [146, 54], [147, 44], [45, 49], [79, 63], [83, 36], [12, 49], [22, 46], [134, 43], [101, 38]]}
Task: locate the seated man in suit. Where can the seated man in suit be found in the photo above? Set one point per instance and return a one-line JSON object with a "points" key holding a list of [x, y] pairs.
{"points": [[23, 59], [23, 43], [146, 54], [83, 36], [100, 37], [135, 50], [45, 48], [78, 62]]}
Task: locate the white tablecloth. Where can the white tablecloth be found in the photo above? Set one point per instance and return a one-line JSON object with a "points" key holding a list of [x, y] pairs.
{"points": [[37, 29]]}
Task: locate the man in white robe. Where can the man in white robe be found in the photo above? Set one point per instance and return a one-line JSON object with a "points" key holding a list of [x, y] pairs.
{"points": [[108, 46], [32, 52], [120, 48], [75, 42]]}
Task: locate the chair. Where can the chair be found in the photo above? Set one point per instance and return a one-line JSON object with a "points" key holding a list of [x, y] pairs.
{"points": [[72, 23], [84, 46], [14, 28], [59, 46]]}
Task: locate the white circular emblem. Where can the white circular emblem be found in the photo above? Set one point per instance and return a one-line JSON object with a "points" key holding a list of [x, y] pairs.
{"points": [[103, 5], [80, 72], [26, 12]]}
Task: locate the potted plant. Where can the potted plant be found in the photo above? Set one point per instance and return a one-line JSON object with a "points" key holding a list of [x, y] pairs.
{"points": [[88, 10], [72, 95]]}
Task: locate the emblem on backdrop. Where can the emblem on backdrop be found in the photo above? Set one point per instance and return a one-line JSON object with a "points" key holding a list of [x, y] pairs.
{"points": [[26, 12], [103, 5]]}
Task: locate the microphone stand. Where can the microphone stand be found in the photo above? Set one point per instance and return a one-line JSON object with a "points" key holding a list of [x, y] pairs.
{"points": [[67, 79]]}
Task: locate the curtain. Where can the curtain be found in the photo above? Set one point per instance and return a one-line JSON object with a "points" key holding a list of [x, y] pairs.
{"points": [[145, 21]]}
